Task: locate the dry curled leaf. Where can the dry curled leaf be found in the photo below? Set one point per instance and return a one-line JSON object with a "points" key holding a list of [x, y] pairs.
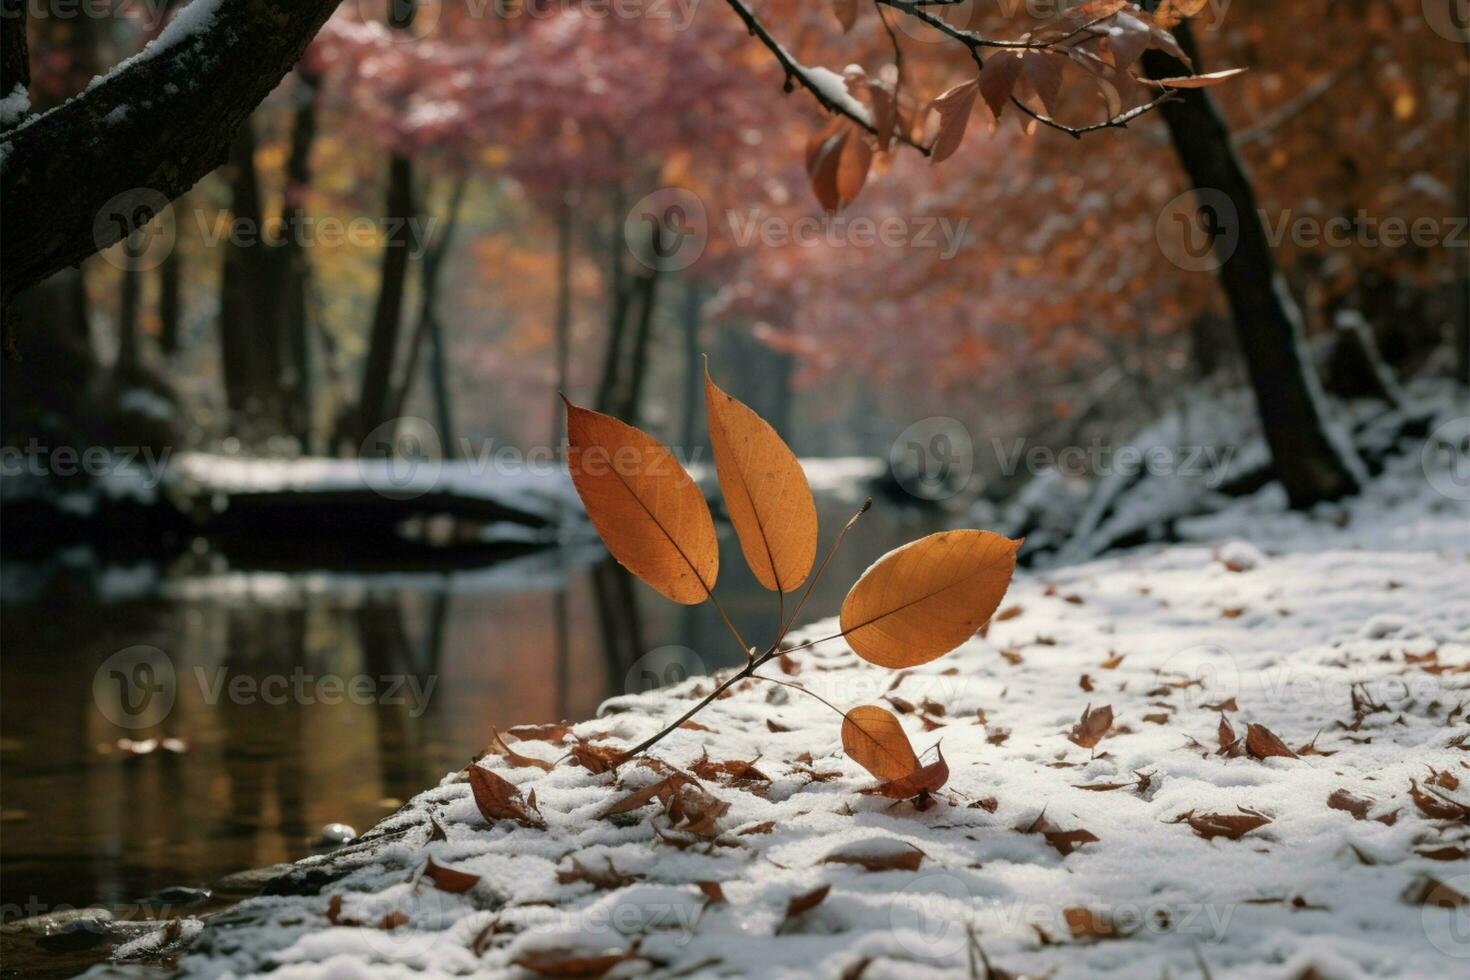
{"points": [[1084, 923], [1196, 81], [1435, 806], [448, 879], [953, 107], [873, 738], [805, 902], [645, 507], [1262, 743], [924, 779], [1231, 825], [922, 600], [1092, 726], [558, 963], [498, 799], [766, 493], [606, 878], [497, 745], [879, 856]]}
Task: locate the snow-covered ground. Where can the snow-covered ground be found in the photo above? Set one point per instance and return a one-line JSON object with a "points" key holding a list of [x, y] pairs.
{"points": [[1345, 633]]}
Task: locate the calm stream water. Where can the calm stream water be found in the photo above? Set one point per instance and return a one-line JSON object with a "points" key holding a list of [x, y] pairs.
{"points": [[302, 699]]}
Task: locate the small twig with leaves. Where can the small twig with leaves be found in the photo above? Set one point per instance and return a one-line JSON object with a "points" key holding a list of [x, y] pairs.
{"points": [[869, 114], [914, 605]]}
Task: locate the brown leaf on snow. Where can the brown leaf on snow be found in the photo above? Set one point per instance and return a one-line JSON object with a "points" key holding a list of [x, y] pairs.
{"points": [[556, 963], [1231, 825], [1091, 728], [1356, 805], [1229, 744], [1445, 854], [1262, 743], [1227, 705], [714, 894], [805, 902], [873, 738], [498, 799], [1436, 806], [731, 771], [1084, 923], [448, 879], [1433, 892], [1009, 612], [925, 779], [497, 744], [1442, 778], [1065, 841], [1085, 682], [540, 733], [998, 736], [694, 726], [895, 859], [1112, 662], [774, 727], [1162, 718], [595, 759], [604, 878], [764, 827]]}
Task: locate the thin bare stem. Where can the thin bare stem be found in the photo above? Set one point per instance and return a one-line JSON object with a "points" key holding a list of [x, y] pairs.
{"points": [[729, 625], [786, 626], [804, 690]]}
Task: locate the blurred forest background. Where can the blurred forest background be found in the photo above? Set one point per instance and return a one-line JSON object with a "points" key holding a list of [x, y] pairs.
{"points": [[513, 143]]}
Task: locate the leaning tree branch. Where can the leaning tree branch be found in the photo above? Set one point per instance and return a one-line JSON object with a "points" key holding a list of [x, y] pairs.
{"points": [[799, 73], [159, 121]]}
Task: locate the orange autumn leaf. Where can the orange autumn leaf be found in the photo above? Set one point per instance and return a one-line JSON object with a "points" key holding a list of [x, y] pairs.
{"points": [[644, 505], [873, 738], [448, 879], [766, 492], [1197, 81], [922, 600]]}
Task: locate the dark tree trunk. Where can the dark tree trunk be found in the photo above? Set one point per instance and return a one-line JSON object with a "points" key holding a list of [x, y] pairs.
{"points": [[693, 375], [618, 296], [631, 395], [298, 374], [160, 124], [430, 270], [127, 323], [1313, 462], [170, 302], [250, 350], [388, 313], [563, 328]]}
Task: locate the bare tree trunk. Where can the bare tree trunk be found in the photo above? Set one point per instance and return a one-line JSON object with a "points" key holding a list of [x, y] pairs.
{"points": [[249, 344], [170, 301], [632, 391], [1312, 460], [617, 307], [563, 317], [298, 373], [689, 427], [388, 314], [127, 323], [429, 276]]}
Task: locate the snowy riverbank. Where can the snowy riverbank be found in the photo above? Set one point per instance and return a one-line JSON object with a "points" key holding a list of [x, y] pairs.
{"points": [[1157, 852]]}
